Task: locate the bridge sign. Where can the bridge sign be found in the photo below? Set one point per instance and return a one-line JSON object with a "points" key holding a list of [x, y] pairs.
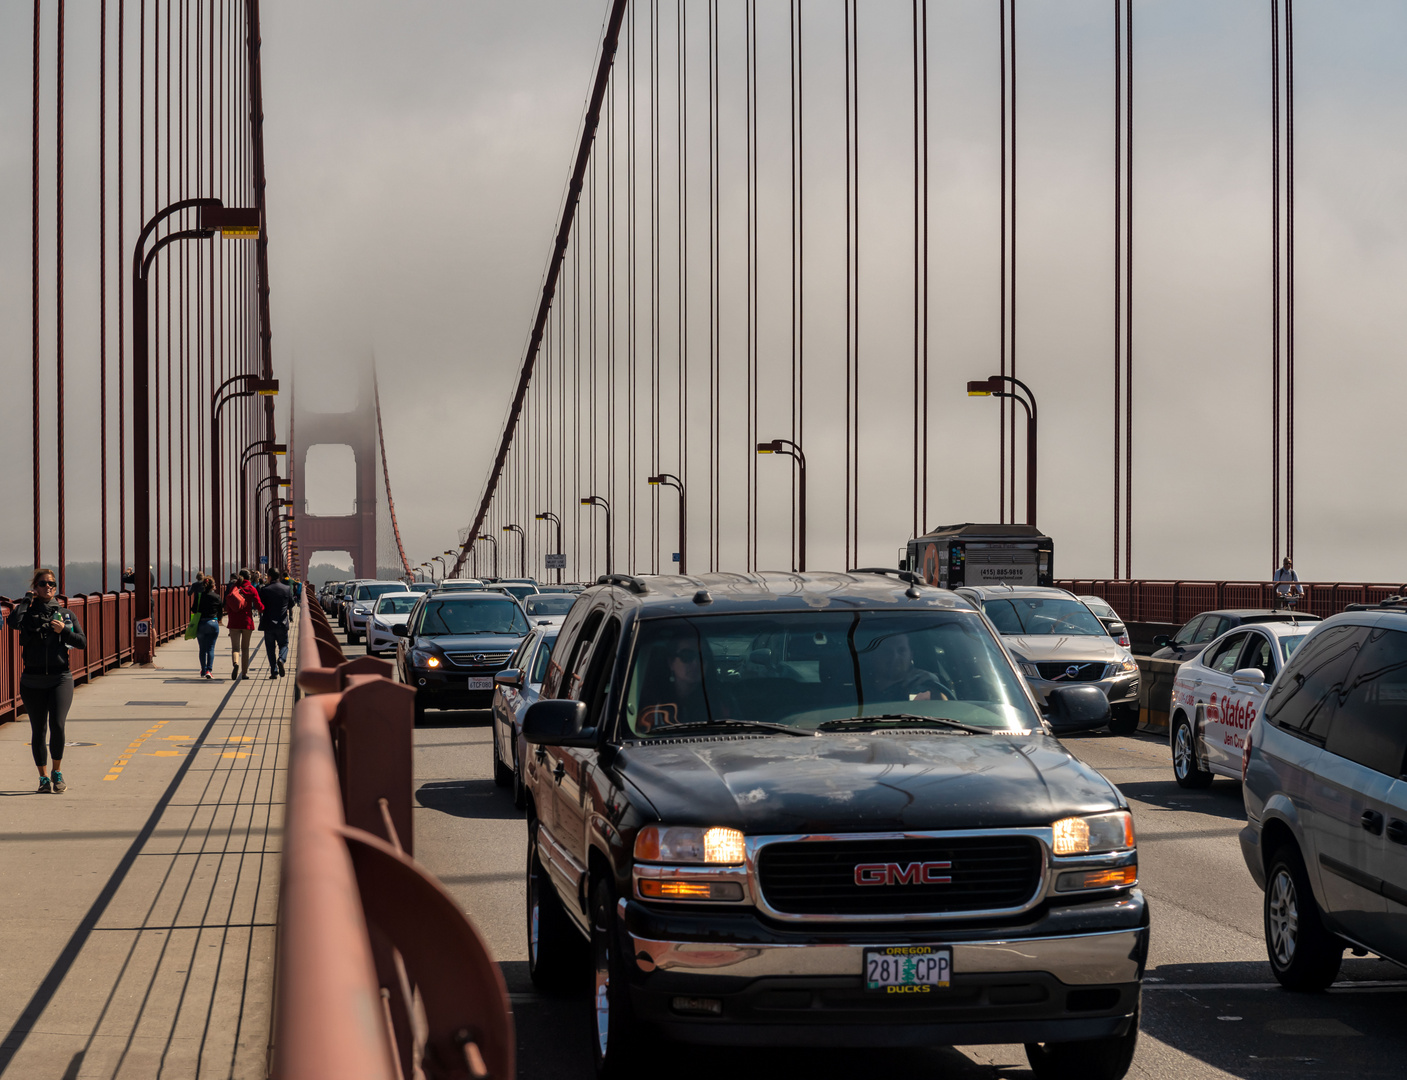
{"points": [[556, 561]]}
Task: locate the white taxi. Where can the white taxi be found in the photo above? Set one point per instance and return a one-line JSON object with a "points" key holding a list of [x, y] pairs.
{"points": [[1218, 693]]}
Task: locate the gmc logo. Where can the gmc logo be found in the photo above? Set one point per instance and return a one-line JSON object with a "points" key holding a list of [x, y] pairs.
{"points": [[916, 873]]}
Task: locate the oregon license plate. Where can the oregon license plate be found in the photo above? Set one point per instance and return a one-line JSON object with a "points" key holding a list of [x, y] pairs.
{"points": [[481, 682], [908, 969]]}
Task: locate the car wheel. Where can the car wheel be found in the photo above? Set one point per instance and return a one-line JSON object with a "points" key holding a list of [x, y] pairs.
{"points": [[1189, 774], [1091, 1059], [520, 791], [553, 944], [1124, 720], [1303, 954], [419, 711], [502, 774], [353, 637], [618, 1044]]}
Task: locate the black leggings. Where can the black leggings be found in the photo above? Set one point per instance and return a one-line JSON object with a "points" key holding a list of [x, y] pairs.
{"points": [[47, 707]]}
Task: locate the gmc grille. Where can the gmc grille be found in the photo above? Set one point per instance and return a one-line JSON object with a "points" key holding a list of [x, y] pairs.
{"points": [[1091, 672], [818, 877]]}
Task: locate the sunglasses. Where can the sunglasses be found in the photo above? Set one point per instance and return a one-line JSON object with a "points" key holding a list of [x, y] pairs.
{"points": [[47, 585], [689, 656]]}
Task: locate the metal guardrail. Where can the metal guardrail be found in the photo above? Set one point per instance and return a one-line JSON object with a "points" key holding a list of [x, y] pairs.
{"points": [[109, 623], [1177, 601], [380, 975]]}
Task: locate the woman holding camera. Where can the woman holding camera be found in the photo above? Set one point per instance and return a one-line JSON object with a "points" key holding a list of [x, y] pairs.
{"points": [[47, 631]]}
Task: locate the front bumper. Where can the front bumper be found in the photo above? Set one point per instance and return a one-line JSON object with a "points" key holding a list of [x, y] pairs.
{"points": [[1073, 973], [1120, 690], [441, 689]]}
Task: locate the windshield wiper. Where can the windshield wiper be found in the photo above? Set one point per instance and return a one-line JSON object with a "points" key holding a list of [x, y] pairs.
{"points": [[859, 723], [751, 725]]}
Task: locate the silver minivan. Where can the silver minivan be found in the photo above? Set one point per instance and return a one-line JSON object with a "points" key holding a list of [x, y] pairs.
{"points": [[1326, 798]]}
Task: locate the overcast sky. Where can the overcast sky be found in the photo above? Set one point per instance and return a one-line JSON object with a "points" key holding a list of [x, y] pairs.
{"points": [[417, 154]]}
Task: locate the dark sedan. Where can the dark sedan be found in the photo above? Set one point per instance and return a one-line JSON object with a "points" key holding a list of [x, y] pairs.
{"points": [[454, 644], [1201, 629]]}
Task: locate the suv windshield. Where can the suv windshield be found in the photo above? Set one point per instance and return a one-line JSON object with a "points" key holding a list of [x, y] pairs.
{"points": [[371, 592], [396, 604], [1041, 615], [802, 670], [549, 604], [472, 615]]}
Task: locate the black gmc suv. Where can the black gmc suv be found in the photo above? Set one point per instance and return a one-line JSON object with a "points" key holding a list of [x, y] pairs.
{"points": [[824, 810]]}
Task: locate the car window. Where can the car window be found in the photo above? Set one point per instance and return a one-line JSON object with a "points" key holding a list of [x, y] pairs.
{"points": [[1288, 645], [803, 669], [1302, 699], [1211, 627], [472, 615], [1100, 608], [1042, 615], [1370, 723], [596, 687], [539, 668], [573, 669], [1185, 635], [1225, 654], [549, 604], [395, 605], [1260, 653]]}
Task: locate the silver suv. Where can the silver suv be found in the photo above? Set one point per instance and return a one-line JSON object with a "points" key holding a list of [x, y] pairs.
{"points": [[1326, 797], [1057, 641]]}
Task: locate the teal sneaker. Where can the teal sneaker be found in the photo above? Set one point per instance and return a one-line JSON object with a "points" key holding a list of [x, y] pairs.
{"points": [[44, 787], [59, 786]]}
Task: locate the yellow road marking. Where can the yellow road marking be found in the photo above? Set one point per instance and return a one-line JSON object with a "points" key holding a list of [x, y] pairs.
{"points": [[126, 756]]}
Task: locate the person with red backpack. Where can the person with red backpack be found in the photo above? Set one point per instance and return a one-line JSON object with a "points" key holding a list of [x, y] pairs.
{"points": [[241, 602]]}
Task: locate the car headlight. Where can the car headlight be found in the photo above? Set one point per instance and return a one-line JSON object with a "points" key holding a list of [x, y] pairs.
{"points": [[1095, 834], [689, 844], [358, 610], [1121, 667], [421, 658], [1029, 670]]}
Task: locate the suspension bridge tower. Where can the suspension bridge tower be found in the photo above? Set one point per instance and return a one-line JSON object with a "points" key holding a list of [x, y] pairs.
{"points": [[354, 533]]}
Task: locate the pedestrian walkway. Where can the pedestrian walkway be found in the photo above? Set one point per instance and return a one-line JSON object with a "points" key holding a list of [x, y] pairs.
{"points": [[139, 908]]}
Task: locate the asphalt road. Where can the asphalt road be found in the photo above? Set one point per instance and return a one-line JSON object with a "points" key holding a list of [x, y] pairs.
{"points": [[1210, 1009]]}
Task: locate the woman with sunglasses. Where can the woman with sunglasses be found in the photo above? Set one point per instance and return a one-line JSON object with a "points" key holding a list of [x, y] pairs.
{"points": [[47, 631]]}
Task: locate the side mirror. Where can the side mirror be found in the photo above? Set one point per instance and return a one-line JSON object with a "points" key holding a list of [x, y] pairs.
{"points": [[510, 677], [1162, 641], [1077, 708], [1248, 676], [558, 722], [401, 630]]}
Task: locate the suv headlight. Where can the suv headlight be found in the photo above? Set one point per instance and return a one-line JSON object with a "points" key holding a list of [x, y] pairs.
{"points": [[1095, 834], [1121, 667], [423, 658], [358, 610], [689, 844]]}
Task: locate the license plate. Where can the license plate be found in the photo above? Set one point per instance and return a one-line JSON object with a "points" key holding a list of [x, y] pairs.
{"points": [[907, 969], [484, 682]]}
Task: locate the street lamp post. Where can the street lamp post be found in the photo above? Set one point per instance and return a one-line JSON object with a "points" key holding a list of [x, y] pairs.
{"points": [[263, 485], [547, 515], [670, 480], [596, 500], [494, 541], [441, 560], [995, 386], [451, 554], [522, 549], [254, 385], [787, 448], [263, 446]]}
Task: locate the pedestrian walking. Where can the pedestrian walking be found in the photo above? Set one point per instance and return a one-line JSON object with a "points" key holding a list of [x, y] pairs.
{"points": [[47, 631], [208, 608], [241, 602], [1288, 590], [297, 587], [277, 599]]}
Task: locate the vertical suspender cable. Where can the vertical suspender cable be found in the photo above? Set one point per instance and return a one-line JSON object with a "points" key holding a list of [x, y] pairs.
{"points": [[682, 283], [798, 251], [750, 461], [121, 306], [34, 287], [1274, 284], [1118, 279], [1290, 278], [59, 299], [714, 230], [1010, 403], [1128, 292], [102, 287], [1001, 434]]}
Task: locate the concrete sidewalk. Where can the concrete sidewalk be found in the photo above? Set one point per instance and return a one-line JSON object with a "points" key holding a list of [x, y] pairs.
{"points": [[139, 908]]}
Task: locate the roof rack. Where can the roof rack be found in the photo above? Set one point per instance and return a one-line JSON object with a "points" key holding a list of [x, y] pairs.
{"points": [[625, 581], [1390, 602], [906, 576]]}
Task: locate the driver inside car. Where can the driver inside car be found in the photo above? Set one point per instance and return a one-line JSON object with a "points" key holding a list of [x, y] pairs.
{"points": [[890, 673], [674, 692]]}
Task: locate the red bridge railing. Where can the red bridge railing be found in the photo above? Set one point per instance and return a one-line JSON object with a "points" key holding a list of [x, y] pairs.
{"points": [[380, 975], [109, 623], [1177, 601]]}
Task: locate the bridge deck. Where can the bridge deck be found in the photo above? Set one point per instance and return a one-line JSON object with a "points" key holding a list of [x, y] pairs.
{"points": [[140, 906]]}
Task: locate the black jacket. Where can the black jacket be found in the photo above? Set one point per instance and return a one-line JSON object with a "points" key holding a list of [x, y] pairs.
{"points": [[45, 652], [278, 599], [208, 605]]}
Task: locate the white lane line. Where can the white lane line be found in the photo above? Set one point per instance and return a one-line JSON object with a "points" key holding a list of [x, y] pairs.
{"points": [[1381, 984]]}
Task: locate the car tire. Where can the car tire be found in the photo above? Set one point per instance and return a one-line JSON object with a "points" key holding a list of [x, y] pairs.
{"points": [[619, 1045], [353, 637], [1091, 1059], [520, 790], [419, 711], [1184, 753], [1304, 955], [554, 946], [502, 774], [1124, 720]]}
